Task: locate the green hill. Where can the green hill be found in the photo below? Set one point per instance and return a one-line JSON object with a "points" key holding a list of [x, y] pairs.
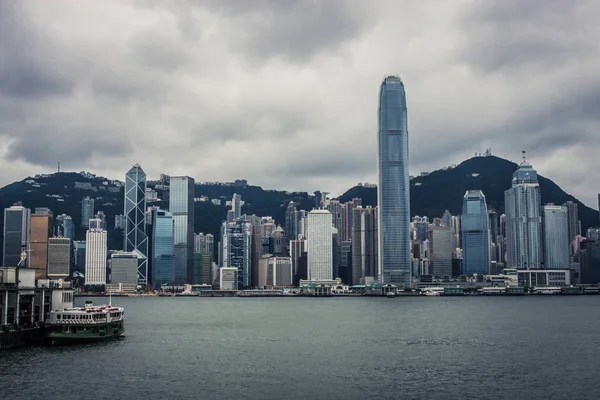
{"points": [[38, 191]]}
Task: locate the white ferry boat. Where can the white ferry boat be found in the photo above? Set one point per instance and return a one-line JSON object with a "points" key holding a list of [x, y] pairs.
{"points": [[85, 324]]}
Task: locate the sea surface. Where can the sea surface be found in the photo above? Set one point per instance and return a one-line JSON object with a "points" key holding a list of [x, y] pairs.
{"points": [[334, 348]]}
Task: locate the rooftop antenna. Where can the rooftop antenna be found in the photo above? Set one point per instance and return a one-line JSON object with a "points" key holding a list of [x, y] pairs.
{"points": [[524, 156], [59, 167]]}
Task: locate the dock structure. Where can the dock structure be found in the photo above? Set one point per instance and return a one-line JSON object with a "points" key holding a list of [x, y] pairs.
{"points": [[25, 303]]}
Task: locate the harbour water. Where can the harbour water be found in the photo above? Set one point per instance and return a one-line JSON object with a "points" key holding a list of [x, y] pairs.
{"points": [[333, 348]]}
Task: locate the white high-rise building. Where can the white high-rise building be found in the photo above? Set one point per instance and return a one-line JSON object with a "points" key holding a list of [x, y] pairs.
{"points": [[95, 257], [556, 237], [236, 205], [199, 242], [320, 245], [522, 203]]}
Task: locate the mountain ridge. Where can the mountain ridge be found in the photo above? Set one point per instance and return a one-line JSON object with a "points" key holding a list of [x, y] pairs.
{"points": [[430, 196], [444, 189]]}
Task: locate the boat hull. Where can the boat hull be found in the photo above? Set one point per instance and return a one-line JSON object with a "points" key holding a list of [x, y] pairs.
{"points": [[74, 334]]}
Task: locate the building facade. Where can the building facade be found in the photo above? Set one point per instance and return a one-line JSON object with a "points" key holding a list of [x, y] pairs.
{"points": [[475, 234], [364, 245], [236, 250], [573, 220], [79, 256], [337, 216], [279, 272], [346, 272], [59, 257], [290, 221], [556, 237], [393, 192], [236, 205], [522, 204], [203, 268], [65, 227], [320, 240], [16, 235], [440, 250], [41, 231], [163, 255], [297, 248], [87, 211], [181, 205], [124, 268], [589, 259], [136, 238], [228, 278], [95, 257]]}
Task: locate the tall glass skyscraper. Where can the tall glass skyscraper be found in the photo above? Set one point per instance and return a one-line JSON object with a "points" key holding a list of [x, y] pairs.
{"points": [[573, 221], [16, 235], [181, 205], [556, 237], [87, 211], [136, 239], [393, 193], [474, 223], [522, 203], [364, 244], [236, 242], [163, 257]]}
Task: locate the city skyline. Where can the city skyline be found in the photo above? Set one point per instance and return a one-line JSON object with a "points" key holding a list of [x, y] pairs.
{"points": [[152, 79]]}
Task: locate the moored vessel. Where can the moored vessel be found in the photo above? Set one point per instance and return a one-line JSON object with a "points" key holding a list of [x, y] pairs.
{"points": [[85, 324]]}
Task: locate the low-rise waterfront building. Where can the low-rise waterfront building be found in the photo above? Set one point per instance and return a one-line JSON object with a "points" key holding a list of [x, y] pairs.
{"points": [[545, 277], [24, 306], [228, 278]]}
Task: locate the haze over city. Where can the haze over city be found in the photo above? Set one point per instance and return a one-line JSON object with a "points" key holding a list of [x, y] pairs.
{"points": [[283, 93]]}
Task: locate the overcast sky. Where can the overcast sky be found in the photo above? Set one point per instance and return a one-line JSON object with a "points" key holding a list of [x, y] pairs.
{"points": [[284, 93]]}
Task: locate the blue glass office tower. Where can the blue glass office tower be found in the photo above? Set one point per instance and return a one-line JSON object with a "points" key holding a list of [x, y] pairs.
{"points": [[393, 193], [475, 232], [181, 205], [163, 255], [87, 211], [136, 239]]}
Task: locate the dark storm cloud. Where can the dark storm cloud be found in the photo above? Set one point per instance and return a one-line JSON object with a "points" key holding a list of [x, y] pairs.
{"points": [[45, 145], [284, 93], [292, 29], [511, 34], [26, 68], [153, 48], [543, 41], [299, 29]]}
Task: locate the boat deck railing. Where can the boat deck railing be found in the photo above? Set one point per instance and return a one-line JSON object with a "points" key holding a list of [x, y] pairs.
{"points": [[85, 321]]}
